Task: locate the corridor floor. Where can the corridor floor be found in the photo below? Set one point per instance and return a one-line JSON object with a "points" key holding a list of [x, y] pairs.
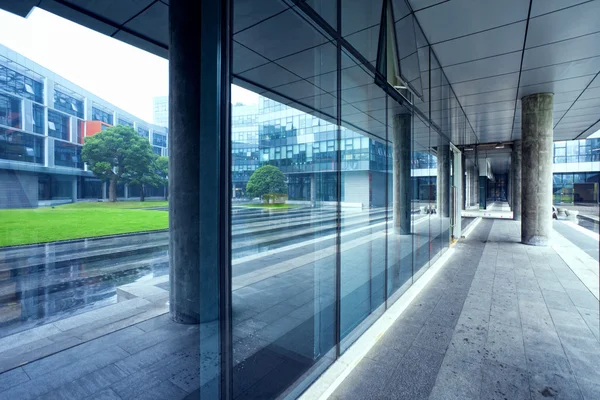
{"points": [[500, 320]]}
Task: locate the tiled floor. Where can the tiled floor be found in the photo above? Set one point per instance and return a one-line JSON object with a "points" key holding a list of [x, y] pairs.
{"points": [[500, 321]]}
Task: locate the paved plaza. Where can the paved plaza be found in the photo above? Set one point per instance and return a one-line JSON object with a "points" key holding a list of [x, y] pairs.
{"points": [[501, 320], [98, 324]]}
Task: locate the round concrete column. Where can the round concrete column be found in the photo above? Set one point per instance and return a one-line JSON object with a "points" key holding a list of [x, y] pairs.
{"points": [[401, 142], [443, 180], [516, 163], [536, 169], [184, 152]]}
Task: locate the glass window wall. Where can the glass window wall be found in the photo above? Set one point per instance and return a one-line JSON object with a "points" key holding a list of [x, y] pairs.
{"points": [[10, 111], [59, 125], [21, 146]]}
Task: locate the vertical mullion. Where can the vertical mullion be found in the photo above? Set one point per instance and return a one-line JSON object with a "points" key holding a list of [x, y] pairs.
{"points": [[225, 320], [386, 203], [338, 240]]}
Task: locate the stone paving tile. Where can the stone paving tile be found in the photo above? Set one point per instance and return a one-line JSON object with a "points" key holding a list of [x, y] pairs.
{"points": [[12, 378], [457, 380], [371, 384], [526, 329], [502, 382]]}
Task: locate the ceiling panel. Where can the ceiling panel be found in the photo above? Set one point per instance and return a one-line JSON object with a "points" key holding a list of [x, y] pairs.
{"points": [[245, 59], [573, 69], [554, 27], [249, 12], [270, 75], [315, 61], [486, 84], [294, 35], [502, 40], [152, 23], [556, 86], [359, 15], [299, 90], [539, 7], [490, 97], [464, 17], [118, 11], [491, 66], [568, 50]]}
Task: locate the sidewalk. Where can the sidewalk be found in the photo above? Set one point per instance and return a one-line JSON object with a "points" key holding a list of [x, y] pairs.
{"points": [[501, 320]]}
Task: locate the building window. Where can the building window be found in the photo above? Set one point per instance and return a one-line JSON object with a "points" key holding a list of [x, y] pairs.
{"points": [[157, 150], [159, 140], [125, 122], [13, 82], [10, 111], [21, 146], [58, 125], [68, 104], [67, 155], [143, 132], [101, 115], [38, 119]]}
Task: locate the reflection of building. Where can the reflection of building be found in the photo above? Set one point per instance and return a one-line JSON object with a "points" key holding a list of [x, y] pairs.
{"points": [[44, 119], [576, 171], [160, 110], [304, 148]]}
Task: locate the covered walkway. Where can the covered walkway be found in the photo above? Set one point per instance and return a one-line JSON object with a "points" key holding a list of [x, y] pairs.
{"points": [[501, 320]]}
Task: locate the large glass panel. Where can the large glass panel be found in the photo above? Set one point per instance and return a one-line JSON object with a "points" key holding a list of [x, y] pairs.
{"points": [[68, 104], [18, 83], [21, 146], [10, 111], [363, 206], [401, 203], [284, 234], [38, 119], [103, 115], [67, 155], [59, 125], [423, 175]]}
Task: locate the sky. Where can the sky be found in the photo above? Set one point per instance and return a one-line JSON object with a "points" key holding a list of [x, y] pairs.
{"points": [[119, 73]]}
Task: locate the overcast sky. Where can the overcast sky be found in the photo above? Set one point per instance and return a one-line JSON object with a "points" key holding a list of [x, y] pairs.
{"points": [[115, 71]]}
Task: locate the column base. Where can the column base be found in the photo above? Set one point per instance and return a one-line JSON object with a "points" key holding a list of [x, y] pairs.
{"points": [[536, 241]]}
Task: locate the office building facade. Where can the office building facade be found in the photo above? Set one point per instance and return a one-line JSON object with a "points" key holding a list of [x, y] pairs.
{"points": [[44, 120], [160, 111]]}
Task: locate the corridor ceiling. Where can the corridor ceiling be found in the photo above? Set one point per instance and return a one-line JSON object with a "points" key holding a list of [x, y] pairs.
{"points": [[491, 52]]}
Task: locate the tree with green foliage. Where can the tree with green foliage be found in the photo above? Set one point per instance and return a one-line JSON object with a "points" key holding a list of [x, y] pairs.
{"points": [[162, 170], [267, 182], [118, 154]]}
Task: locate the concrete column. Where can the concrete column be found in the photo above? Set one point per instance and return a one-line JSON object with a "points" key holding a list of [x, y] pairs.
{"points": [[536, 171], [516, 163], [104, 190], [199, 156], [443, 179], [476, 186], [463, 182], [401, 142], [74, 190], [184, 184], [126, 191]]}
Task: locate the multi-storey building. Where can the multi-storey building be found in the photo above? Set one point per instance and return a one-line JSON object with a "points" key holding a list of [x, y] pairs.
{"points": [[304, 148], [44, 120], [160, 110]]}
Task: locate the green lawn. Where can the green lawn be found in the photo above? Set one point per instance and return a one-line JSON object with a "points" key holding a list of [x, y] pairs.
{"points": [[276, 206], [79, 220]]}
